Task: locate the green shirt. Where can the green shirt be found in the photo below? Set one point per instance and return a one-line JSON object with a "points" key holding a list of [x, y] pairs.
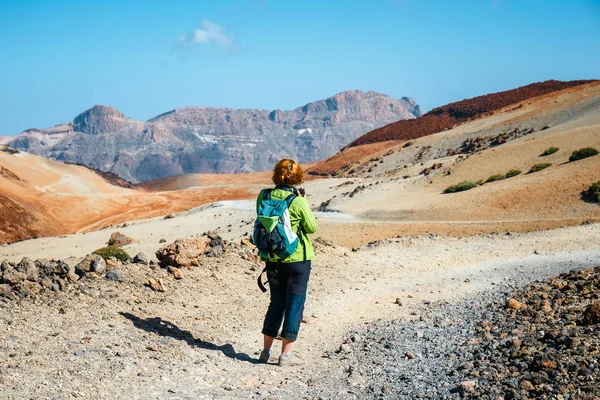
{"points": [[300, 213]]}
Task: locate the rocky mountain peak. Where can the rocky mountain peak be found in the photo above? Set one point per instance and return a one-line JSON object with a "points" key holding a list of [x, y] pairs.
{"points": [[213, 140], [100, 119], [355, 101]]}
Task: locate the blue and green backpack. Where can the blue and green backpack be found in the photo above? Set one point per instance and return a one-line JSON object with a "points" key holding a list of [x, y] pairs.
{"points": [[273, 235]]}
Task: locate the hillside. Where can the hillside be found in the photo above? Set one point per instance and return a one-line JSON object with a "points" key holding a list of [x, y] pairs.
{"points": [[213, 140], [41, 197], [445, 117], [401, 187], [440, 119]]}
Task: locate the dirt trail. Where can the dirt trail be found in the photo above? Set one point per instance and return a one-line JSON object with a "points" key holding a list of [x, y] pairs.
{"points": [[199, 339]]}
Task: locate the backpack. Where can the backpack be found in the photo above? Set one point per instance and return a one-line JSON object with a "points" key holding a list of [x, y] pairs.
{"points": [[273, 235]]}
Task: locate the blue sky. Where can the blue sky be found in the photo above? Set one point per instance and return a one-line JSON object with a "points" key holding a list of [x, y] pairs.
{"points": [[58, 58]]}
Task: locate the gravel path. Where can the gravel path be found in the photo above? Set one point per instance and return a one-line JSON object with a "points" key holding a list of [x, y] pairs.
{"points": [[200, 338]]}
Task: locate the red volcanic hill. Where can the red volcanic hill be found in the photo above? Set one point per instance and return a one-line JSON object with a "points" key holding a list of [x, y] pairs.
{"points": [[445, 117]]}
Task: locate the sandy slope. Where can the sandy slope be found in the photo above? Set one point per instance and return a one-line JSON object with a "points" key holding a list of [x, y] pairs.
{"points": [[56, 198]]}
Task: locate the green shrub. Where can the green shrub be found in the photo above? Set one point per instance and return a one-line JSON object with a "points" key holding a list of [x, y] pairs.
{"points": [[112, 251], [583, 153], [549, 151], [480, 182], [494, 178], [466, 185], [592, 194], [539, 167], [513, 172]]}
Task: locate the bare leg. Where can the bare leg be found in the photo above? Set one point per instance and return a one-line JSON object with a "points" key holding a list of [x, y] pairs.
{"points": [[268, 342], [287, 346]]}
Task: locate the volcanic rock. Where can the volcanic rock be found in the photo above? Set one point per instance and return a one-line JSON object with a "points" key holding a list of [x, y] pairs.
{"points": [[216, 251], [13, 277], [140, 258], [177, 274], [591, 316], [157, 285], [467, 387], [29, 288], [514, 304], [29, 268], [91, 263], [185, 252], [115, 275], [117, 239], [48, 268]]}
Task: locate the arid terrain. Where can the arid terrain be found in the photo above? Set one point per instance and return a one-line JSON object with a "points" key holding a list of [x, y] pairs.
{"points": [[394, 187], [404, 276]]}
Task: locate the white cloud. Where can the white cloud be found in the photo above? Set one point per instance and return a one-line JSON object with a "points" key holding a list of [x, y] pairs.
{"points": [[209, 32]]}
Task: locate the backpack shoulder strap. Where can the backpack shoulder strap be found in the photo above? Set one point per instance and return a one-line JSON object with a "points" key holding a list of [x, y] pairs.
{"points": [[267, 194], [290, 198]]}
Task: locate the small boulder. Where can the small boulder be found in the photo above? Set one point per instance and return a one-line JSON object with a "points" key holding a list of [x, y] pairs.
{"points": [[6, 291], [467, 387], [72, 276], [46, 282], [157, 285], [91, 263], [546, 306], [30, 288], [183, 252], [591, 315], [141, 258], [115, 275], [514, 304], [99, 265], [162, 241], [216, 251], [63, 268], [6, 265], [117, 239], [29, 268], [13, 277], [47, 267], [215, 238], [526, 385], [177, 274]]}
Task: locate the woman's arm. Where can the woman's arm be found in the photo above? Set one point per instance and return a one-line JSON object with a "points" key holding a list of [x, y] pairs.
{"points": [[307, 219]]}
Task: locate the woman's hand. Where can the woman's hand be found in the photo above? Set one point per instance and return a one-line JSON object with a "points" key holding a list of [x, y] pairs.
{"points": [[300, 192]]}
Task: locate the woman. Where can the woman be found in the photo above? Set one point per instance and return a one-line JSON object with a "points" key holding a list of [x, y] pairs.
{"points": [[288, 278]]}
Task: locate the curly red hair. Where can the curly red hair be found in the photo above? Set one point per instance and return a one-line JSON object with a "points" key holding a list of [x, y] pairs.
{"points": [[287, 172]]}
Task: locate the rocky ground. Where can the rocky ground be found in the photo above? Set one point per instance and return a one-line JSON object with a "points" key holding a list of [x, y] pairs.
{"points": [[139, 329], [540, 341]]}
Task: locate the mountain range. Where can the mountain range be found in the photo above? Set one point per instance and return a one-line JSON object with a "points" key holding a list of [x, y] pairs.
{"points": [[213, 140]]}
